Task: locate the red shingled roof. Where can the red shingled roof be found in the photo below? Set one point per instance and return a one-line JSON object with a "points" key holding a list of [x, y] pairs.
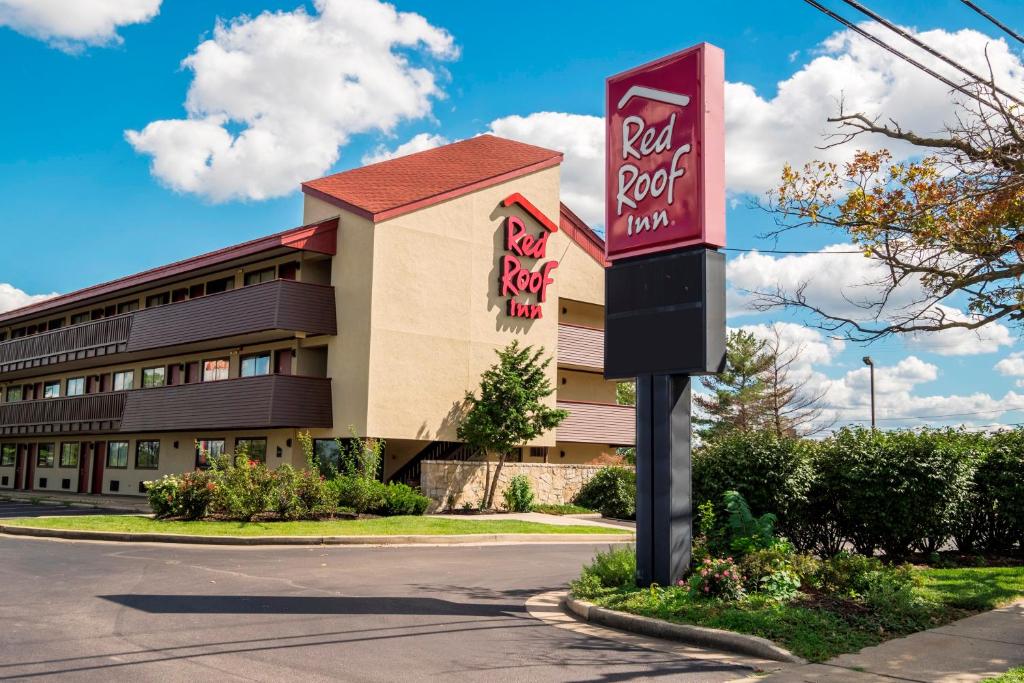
{"points": [[397, 186]]}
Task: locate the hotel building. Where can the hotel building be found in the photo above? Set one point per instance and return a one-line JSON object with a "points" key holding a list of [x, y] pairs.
{"points": [[375, 316]]}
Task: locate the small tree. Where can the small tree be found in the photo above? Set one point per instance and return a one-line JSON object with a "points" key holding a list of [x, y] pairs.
{"points": [[510, 410], [795, 406], [739, 395]]}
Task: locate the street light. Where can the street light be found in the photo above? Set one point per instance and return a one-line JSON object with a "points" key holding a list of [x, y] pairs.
{"points": [[871, 364]]}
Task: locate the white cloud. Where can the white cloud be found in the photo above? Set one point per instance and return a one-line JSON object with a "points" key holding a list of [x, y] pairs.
{"points": [[72, 26], [763, 133], [961, 341], [11, 297], [417, 143], [809, 347], [299, 86], [1012, 365], [581, 138]]}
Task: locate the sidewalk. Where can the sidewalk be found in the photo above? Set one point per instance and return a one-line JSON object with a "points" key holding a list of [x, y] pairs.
{"points": [[84, 500], [971, 649], [556, 520]]}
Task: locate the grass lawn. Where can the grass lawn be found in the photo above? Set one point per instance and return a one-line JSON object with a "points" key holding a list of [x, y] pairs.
{"points": [[1011, 676], [820, 629], [566, 509], [383, 526]]}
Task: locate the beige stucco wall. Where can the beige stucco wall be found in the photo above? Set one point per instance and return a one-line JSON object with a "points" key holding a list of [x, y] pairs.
{"points": [[456, 483], [575, 453], [584, 386], [582, 313]]}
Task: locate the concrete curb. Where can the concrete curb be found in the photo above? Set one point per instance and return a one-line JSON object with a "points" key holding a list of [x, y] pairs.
{"points": [[43, 500], [464, 539], [702, 636]]}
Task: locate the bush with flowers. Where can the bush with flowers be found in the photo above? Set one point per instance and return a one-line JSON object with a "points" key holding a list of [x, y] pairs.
{"points": [[716, 578], [181, 495]]}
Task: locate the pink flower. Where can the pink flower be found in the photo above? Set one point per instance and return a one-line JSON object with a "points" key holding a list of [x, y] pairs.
{"points": [[680, 582], [707, 589], [728, 559], [703, 572]]}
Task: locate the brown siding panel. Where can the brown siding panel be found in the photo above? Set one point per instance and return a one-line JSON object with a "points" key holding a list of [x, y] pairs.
{"points": [[598, 423], [581, 347]]}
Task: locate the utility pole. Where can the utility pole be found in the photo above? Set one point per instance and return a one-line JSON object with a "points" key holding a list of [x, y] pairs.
{"points": [[871, 364]]}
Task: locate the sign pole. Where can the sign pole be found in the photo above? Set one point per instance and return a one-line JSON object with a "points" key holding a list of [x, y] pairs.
{"points": [[664, 500]]}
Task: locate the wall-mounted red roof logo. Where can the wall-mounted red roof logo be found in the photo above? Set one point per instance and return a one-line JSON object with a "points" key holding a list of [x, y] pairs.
{"points": [[528, 206]]}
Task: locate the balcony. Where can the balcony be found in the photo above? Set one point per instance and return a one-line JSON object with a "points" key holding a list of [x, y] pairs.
{"points": [[265, 402], [580, 348], [278, 306], [598, 423]]}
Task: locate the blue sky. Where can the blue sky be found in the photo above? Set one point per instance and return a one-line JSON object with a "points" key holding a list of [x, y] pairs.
{"points": [[73, 187]]}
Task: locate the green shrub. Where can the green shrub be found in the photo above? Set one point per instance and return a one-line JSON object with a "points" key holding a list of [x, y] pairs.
{"points": [[989, 516], [162, 494], [401, 499], [313, 494], [245, 489], [716, 577], [773, 474], [181, 495], [613, 568], [612, 492], [848, 574], [519, 494], [781, 585], [746, 532], [360, 494]]}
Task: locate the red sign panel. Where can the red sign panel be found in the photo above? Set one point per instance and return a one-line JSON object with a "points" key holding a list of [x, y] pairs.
{"points": [[665, 154]]}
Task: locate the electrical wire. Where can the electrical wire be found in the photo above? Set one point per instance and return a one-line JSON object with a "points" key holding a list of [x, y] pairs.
{"points": [[910, 60], [780, 251], [930, 50], [995, 21]]}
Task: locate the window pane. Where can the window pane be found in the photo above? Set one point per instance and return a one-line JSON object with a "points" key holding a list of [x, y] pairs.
{"points": [[45, 456], [8, 455], [206, 449], [214, 370], [153, 377], [69, 453], [117, 455], [147, 455], [258, 276], [14, 394], [256, 365], [51, 389], [76, 386], [327, 452], [254, 449], [124, 381], [128, 306], [156, 300]]}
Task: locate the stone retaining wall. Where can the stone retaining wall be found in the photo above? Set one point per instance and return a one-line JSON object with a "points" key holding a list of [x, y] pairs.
{"points": [[464, 482]]}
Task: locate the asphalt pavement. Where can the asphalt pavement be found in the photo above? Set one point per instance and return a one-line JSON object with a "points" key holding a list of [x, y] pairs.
{"points": [[89, 611]]}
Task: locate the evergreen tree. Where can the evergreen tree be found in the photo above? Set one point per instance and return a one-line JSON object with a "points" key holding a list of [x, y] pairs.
{"points": [[739, 399]]}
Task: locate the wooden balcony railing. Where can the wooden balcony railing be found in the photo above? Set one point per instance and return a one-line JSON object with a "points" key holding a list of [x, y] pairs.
{"points": [[264, 402], [278, 305], [598, 423]]}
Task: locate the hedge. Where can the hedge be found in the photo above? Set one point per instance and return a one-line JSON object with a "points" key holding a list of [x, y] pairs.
{"points": [[896, 492]]}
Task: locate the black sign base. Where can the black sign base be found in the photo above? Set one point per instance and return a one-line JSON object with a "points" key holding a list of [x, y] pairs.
{"points": [[663, 502]]}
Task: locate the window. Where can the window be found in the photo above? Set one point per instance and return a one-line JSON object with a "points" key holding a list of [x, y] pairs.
{"points": [[14, 393], [45, 456], [214, 370], [157, 300], [79, 318], [328, 452], [207, 449], [259, 276], [154, 377], [221, 285], [69, 453], [8, 455], [117, 455], [124, 380], [128, 306], [252, 448], [55, 324], [52, 389], [147, 455], [258, 364], [76, 386]]}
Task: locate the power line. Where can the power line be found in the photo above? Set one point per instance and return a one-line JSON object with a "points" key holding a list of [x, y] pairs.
{"points": [[910, 60], [930, 50], [778, 251], [995, 21], [932, 417]]}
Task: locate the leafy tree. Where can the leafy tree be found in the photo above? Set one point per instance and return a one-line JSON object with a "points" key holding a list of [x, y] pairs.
{"points": [[739, 395], [510, 410], [794, 406], [945, 229]]}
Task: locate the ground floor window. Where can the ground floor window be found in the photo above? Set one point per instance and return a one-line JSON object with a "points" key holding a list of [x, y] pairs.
{"points": [[327, 452], [117, 455], [252, 447], [45, 456], [8, 455], [147, 455], [69, 454], [208, 449]]}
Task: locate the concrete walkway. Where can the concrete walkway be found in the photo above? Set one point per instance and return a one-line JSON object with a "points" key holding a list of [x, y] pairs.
{"points": [[82, 500], [971, 649], [542, 518]]}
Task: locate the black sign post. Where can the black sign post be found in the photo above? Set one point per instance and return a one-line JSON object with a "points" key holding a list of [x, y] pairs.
{"points": [[664, 322]]}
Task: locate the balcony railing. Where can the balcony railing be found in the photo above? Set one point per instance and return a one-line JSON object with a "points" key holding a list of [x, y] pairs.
{"points": [[580, 347], [278, 305], [264, 402], [598, 423]]}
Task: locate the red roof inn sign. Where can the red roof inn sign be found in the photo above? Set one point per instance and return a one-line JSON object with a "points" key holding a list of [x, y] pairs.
{"points": [[518, 279], [665, 171]]}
